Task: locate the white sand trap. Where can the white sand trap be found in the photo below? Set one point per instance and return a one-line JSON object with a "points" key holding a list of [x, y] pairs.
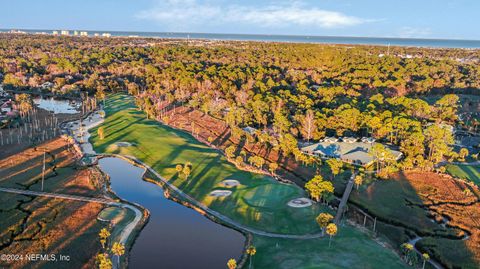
{"points": [[229, 183], [220, 193], [300, 202], [123, 144]]}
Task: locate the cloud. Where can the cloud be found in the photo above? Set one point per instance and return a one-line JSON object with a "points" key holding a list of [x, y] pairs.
{"points": [[191, 13], [409, 32]]}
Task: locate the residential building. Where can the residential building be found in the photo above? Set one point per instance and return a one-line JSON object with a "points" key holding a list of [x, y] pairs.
{"points": [[349, 150]]}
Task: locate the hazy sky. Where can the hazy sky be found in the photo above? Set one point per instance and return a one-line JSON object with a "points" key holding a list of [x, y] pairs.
{"points": [[388, 18]]}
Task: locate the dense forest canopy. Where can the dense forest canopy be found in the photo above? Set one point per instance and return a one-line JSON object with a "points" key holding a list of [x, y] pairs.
{"points": [[290, 91]]}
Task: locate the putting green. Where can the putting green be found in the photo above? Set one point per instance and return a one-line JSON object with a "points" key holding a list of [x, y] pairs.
{"points": [[268, 196], [110, 213], [259, 202]]}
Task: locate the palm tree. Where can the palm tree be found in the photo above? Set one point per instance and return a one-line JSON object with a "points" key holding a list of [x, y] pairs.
{"points": [[118, 250], [331, 231], [186, 171], [251, 251], [358, 181], [103, 261], [407, 250], [425, 258], [323, 220], [232, 264], [179, 168], [104, 234]]}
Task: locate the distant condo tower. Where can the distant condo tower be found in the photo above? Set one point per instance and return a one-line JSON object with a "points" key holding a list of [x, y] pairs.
{"points": [[75, 33], [106, 35], [65, 32], [55, 32], [83, 33]]}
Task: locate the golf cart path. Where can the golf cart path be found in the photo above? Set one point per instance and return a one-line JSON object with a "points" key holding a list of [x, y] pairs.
{"points": [[211, 212], [87, 148]]}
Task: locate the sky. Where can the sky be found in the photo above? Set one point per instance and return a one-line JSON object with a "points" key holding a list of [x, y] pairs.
{"points": [[445, 19]]}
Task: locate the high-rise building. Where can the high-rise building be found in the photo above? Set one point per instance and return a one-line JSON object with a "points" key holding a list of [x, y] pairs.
{"points": [[83, 33], [55, 32], [65, 32]]}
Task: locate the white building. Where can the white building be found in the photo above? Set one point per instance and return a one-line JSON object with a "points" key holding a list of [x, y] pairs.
{"points": [[65, 32], [106, 35], [55, 32], [75, 33], [83, 33], [47, 85]]}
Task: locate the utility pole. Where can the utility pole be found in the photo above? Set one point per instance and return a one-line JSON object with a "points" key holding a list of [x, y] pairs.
{"points": [[43, 169]]}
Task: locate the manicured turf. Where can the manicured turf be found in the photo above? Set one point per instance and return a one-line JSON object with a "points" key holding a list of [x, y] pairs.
{"points": [[468, 172], [119, 217], [349, 249], [259, 202], [112, 213]]}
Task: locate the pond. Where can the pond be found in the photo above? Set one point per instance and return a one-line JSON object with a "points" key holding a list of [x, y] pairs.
{"points": [[175, 236], [56, 106]]}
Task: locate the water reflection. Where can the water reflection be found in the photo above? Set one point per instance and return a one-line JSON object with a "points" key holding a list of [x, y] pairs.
{"points": [[55, 105], [176, 236]]}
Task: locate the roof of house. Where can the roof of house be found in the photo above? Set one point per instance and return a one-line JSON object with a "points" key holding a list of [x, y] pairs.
{"points": [[357, 152]]}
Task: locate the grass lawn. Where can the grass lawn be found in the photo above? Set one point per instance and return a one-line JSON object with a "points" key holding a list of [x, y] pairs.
{"points": [[349, 249], [259, 201], [468, 172], [119, 217]]}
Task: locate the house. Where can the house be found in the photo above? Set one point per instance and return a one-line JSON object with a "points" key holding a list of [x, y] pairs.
{"points": [[250, 130], [6, 107], [348, 150], [47, 85]]}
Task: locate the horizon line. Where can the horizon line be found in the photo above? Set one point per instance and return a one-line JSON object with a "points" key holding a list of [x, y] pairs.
{"points": [[249, 34]]}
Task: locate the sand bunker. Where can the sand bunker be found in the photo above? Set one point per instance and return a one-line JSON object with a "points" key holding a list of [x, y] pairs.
{"points": [[220, 193], [229, 183], [300, 202], [123, 144]]}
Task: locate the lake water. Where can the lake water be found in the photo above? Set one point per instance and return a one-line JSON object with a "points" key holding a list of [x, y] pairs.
{"points": [[409, 42], [175, 236], [56, 106]]}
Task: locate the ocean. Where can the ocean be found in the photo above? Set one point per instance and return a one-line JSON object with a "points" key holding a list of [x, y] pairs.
{"points": [[405, 42]]}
